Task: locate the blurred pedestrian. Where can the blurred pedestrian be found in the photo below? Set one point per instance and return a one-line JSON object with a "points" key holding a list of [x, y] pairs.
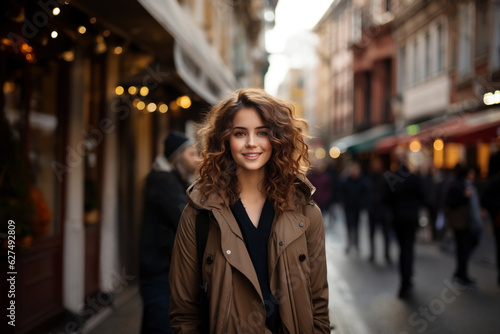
{"points": [[164, 200], [264, 267], [321, 180], [354, 197], [377, 209], [405, 195], [491, 202], [463, 215]]}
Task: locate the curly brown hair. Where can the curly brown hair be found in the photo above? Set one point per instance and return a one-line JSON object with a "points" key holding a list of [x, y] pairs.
{"points": [[289, 159]]}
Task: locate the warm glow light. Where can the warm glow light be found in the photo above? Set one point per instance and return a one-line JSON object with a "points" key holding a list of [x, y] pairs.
{"points": [[438, 144], [163, 108], [26, 48], [144, 91], [132, 90], [56, 11], [491, 98], [320, 153], [184, 102], [9, 87], [141, 105], [151, 107], [93, 20], [106, 33], [335, 152], [6, 41], [118, 50], [415, 146], [68, 56], [174, 106], [119, 90], [82, 30], [29, 57], [53, 34], [136, 102]]}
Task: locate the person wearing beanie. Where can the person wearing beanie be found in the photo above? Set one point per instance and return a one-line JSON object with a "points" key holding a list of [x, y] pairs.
{"points": [[164, 201]]}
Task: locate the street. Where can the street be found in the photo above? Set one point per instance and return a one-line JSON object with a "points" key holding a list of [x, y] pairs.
{"points": [[363, 295]]}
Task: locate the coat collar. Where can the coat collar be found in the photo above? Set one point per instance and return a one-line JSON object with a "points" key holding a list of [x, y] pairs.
{"points": [[304, 191]]}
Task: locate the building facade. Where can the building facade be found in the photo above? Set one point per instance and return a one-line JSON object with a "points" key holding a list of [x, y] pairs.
{"points": [[447, 78]]}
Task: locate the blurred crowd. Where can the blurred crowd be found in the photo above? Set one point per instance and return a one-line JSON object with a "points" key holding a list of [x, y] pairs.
{"points": [[455, 204]]}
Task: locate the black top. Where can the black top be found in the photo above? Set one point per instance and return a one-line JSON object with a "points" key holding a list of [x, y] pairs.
{"points": [[256, 241]]}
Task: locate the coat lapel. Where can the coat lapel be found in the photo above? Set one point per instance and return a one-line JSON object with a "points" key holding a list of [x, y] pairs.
{"points": [[234, 249]]}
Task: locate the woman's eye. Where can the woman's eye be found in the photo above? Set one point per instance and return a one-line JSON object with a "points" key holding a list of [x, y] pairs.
{"points": [[262, 133], [239, 134]]}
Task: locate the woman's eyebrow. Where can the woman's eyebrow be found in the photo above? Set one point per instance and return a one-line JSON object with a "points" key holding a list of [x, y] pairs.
{"points": [[243, 128]]}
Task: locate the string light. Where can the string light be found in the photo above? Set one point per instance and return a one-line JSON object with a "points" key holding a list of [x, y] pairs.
{"points": [[335, 152], [56, 11], [53, 34], [320, 153], [184, 102], [144, 91], [119, 90], [132, 90], [82, 30], [93, 20], [163, 108], [151, 107], [415, 146], [438, 144], [141, 105], [118, 50]]}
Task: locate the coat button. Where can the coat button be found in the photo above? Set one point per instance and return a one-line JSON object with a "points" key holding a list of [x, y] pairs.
{"points": [[210, 259], [301, 224], [281, 243], [302, 257], [228, 252]]}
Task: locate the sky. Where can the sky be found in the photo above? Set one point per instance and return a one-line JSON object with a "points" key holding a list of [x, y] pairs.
{"points": [[293, 17]]}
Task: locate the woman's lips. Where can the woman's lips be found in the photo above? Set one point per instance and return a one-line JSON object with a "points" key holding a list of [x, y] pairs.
{"points": [[251, 156]]}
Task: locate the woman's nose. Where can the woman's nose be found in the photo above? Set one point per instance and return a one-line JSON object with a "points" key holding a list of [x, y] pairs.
{"points": [[251, 141]]}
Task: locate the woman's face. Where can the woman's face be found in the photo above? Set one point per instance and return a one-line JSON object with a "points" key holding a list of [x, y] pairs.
{"points": [[249, 141]]}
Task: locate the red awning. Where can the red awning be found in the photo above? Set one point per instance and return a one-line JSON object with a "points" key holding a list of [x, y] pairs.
{"points": [[471, 128]]}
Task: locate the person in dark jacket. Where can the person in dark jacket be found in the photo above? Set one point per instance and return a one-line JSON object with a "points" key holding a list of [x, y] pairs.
{"points": [[491, 202], [164, 200], [464, 217], [377, 210], [405, 196], [354, 190]]}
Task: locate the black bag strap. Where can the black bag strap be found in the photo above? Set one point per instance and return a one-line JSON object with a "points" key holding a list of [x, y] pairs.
{"points": [[202, 227]]}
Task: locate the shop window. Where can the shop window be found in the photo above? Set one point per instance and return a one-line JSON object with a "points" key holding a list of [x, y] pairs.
{"points": [[29, 188]]}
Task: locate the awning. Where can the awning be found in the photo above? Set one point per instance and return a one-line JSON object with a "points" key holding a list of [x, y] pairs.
{"points": [[199, 65], [469, 128], [363, 141]]}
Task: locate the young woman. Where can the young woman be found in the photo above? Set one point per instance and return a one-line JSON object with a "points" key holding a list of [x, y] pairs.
{"points": [[264, 265]]}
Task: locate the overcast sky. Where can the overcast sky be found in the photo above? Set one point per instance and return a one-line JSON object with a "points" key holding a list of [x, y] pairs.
{"points": [[292, 17]]}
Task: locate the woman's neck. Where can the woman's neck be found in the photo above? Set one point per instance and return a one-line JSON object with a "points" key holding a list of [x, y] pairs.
{"points": [[251, 184]]}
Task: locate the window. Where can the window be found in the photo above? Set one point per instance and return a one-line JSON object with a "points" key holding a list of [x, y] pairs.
{"points": [[427, 56], [465, 42], [440, 50], [402, 69], [481, 31], [30, 95], [414, 68], [495, 49]]}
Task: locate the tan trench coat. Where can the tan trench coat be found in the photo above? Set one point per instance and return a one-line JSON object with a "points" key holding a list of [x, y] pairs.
{"points": [[297, 269]]}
